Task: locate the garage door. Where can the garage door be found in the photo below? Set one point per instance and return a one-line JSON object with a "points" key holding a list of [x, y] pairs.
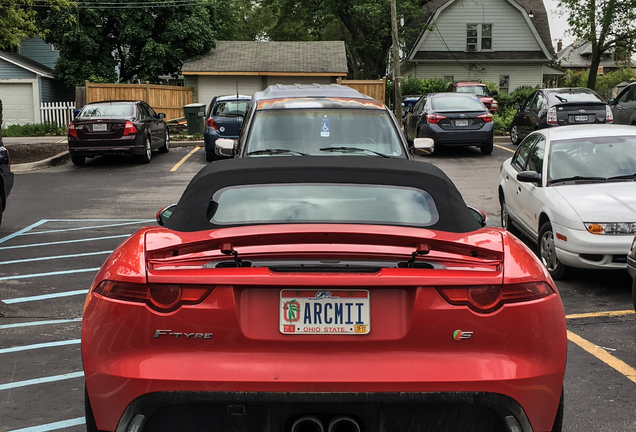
{"points": [[17, 103], [210, 86]]}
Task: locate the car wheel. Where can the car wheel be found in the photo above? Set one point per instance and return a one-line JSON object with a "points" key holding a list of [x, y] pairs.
{"points": [[514, 134], [145, 158], [547, 253], [165, 148], [487, 149], [506, 223], [78, 160], [558, 420], [91, 426]]}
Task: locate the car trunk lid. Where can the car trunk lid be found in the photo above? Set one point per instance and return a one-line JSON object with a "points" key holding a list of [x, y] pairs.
{"points": [[100, 128]]}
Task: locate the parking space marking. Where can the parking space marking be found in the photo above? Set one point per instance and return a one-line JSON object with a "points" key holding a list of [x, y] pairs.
{"points": [[185, 158], [55, 257], [22, 231], [43, 297], [42, 380], [39, 345], [504, 148], [600, 314], [37, 323], [598, 352], [64, 241], [53, 426], [88, 227], [55, 273]]}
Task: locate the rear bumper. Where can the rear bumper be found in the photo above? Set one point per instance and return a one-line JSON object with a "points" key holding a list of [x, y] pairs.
{"points": [[459, 138], [126, 145], [254, 411]]}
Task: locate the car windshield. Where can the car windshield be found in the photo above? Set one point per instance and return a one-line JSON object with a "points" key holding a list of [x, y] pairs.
{"points": [[323, 203], [230, 108], [107, 110], [592, 158], [455, 103], [474, 89], [577, 97], [321, 131]]}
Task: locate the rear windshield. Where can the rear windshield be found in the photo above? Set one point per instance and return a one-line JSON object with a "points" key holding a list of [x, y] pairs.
{"points": [[107, 110], [577, 97], [322, 203], [476, 90], [229, 108], [454, 103], [313, 131]]}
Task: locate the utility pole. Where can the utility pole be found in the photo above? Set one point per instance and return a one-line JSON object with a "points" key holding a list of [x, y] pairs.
{"points": [[397, 78]]}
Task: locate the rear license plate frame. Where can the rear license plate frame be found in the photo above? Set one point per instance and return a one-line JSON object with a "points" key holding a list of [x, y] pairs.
{"points": [[461, 122], [100, 127], [581, 118], [316, 312]]}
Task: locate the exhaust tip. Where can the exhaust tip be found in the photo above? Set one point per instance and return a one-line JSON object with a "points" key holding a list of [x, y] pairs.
{"points": [[343, 424], [307, 424]]}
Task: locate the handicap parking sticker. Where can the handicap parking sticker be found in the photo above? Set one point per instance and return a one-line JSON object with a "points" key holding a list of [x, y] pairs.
{"points": [[324, 128]]}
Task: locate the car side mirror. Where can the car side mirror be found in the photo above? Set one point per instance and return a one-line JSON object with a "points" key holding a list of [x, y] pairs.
{"points": [[611, 101], [225, 146], [423, 146], [163, 214], [162, 115], [529, 177], [479, 216], [495, 93], [516, 106]]}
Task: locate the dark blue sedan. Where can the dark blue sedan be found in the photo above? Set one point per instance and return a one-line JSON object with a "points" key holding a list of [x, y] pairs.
{"points": [[224, 120]]}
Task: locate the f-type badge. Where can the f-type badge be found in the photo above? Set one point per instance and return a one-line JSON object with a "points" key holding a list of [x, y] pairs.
{"points": [[459, 335]]}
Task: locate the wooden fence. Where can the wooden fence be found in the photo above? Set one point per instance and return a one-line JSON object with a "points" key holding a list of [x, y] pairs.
{"points": [[373, 88], [60, 113], [163, 99]]}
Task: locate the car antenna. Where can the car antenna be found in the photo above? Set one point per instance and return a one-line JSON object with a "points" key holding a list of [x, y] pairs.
{"points": [[228, 249]]}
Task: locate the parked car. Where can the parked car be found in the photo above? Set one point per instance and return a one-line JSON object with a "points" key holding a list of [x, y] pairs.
{"points": [[558, 107], [6, 177], [624, 106], [323, 294], [452, 119], [631, 269], [408, 102], [572, 190], [318, 120], [478, 89], [224, 119], [117, 127]]}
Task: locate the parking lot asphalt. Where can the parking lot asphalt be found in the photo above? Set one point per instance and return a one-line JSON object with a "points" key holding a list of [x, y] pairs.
{"points": [[62, 222]]}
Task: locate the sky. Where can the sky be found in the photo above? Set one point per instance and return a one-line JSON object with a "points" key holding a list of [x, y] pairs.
{"points": [[558, 24]]}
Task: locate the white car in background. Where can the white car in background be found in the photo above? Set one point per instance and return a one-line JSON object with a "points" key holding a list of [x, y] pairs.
{"points": [[572, 190]]}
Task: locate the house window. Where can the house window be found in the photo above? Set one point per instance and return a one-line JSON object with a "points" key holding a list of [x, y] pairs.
{"points": [[504, 84], [478, 37], [448, 78]]}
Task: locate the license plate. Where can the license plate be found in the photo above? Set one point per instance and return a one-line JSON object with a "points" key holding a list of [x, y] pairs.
{"points": [[324, 312], [100, 127], [461, 122], [580, 118]]}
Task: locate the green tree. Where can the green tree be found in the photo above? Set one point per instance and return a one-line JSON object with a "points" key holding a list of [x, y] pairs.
{"points": [[143, 42], [605, 24], [18, 19]]}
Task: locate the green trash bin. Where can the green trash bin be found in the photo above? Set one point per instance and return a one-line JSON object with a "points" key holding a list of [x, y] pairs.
{"points": [[195, 116]]}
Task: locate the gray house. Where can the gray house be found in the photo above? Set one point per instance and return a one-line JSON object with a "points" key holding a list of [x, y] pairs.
{"points": [[25, 83], [578, 57], [248, 67], [507, 42]]}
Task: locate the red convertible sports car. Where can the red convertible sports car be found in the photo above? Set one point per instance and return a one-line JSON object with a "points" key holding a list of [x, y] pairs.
{"points": [[323, 294]]}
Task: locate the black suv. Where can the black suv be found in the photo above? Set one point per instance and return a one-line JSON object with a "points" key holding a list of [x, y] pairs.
{"points": [[316, 120]]}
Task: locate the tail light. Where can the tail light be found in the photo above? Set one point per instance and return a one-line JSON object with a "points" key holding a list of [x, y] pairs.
{"points": [[609, 115], [489, 298], [494, 104], [129, 128], [212, 124], [160, 297], [434, 119], [485, 117], [71, 130], [552, 116]]}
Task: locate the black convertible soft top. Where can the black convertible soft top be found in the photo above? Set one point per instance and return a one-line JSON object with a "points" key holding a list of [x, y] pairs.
{"points": [[192, 209]]}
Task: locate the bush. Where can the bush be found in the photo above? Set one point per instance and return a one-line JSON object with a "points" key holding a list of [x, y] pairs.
{"points": [[33, 129]]}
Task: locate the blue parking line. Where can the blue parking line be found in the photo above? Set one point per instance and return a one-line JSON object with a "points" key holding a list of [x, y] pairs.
{"points": [[56, 257], [43, 297], [37, 323], [99, 220], [43, 380], [39, 345], [85, 228], [62, 272], [63, 242], [22, 231], [53, 426]]}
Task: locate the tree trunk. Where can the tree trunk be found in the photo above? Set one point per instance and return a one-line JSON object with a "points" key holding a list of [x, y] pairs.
{"points": [[596, 60]]}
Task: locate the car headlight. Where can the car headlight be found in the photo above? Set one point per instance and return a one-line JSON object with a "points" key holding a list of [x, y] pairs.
{"points": [[612, 228]]}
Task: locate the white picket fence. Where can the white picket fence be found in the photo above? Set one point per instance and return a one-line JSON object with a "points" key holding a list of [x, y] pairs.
{"points": [[60, 113]]}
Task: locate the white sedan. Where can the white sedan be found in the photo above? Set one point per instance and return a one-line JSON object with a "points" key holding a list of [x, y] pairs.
{"points": [[572, 190]]}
